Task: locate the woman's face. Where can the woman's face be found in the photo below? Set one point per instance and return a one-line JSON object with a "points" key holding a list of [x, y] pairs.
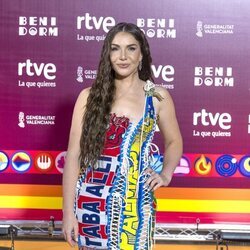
{"points": [[125, 54]]}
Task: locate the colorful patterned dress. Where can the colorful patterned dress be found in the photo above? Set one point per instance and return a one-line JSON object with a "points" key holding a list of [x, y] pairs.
{"points": [[114, 208]]}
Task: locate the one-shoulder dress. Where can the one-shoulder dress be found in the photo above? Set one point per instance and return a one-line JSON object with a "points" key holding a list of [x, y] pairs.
{"points": [[114, 209]]}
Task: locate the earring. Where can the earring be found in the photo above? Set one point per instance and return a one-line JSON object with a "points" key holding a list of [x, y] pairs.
{"points": [[140, 66]]}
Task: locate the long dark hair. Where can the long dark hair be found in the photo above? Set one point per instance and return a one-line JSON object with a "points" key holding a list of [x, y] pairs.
{"points": [[101, 95]]}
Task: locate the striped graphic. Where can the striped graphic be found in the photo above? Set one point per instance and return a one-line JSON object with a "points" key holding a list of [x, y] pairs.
{"points": [[175, 205]]}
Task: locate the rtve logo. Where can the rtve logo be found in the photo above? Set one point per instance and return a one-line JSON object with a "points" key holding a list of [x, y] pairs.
{"points": [[166, 72], [214, 76], [209, 119], [37, 26], [33, 69], [91, 22]]}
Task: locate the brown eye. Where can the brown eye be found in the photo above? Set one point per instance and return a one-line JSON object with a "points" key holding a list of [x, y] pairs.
{"points": [[131, 48], [114, 48]]}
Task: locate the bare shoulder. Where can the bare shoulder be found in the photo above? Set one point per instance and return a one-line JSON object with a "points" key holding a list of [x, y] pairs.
{"points": [[166, 103], [163, 92], [81, 101], [83, 96], [84, 93]]}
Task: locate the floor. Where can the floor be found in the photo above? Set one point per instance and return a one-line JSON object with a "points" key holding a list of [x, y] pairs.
{"points": [[46, 245]]}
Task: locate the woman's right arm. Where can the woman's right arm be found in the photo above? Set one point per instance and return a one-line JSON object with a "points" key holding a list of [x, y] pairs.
{"points": [[71, 170]]}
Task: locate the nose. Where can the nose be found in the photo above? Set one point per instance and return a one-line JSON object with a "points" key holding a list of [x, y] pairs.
{"points": [[123, 55]]}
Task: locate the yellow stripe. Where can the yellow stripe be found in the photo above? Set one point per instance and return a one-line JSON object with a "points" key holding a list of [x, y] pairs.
{"points": [[163, 205], [208, 206], [31, 202]]}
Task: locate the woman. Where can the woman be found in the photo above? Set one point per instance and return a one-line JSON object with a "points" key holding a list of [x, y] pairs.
{"points": [[108, 200]]}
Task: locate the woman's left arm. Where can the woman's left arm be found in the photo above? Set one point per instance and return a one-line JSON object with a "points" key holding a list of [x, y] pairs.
{"points": [[173, 146]]}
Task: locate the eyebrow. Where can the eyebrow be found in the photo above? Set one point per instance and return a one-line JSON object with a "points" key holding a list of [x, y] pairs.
{"points": [[133, 44]]}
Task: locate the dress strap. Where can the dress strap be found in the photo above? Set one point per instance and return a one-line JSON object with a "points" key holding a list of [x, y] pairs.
{"points": [[149, 89]]}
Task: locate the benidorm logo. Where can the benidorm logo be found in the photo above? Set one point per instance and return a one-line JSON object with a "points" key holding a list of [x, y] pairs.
{"points": [[213, 76], [37, 26], [157, 27]]}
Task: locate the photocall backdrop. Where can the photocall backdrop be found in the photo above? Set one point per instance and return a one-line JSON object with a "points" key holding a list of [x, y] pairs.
{"points": [[201, 54]]}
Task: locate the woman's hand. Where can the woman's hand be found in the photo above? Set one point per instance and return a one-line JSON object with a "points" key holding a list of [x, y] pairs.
{"points": [[70, 229], [156, 180]]}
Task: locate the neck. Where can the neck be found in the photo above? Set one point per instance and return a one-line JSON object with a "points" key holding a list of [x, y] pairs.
{"points": [[128, 82]]}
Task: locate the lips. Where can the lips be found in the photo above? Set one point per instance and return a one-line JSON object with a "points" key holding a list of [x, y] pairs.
{"points": [[123, 66]]}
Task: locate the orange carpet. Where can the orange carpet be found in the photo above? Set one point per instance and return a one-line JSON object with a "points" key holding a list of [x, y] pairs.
{"points": [[46, 245]]}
